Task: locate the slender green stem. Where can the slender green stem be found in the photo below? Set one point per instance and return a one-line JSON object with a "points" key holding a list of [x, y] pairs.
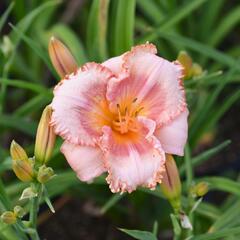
{"points": [[189, 179], [34, 211], [188, 166]]}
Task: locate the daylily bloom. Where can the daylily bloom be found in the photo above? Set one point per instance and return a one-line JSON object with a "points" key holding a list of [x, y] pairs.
{"points": [[121, 117]]}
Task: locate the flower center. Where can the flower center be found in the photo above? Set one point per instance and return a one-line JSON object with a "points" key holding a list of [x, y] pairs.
{"points": [[125, 119]]}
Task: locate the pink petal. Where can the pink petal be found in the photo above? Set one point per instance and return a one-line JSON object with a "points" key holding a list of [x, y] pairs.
{"points": [[153, 81], [86, 161], [79, 104], [134, 162], [114, 64], [173, 136]]}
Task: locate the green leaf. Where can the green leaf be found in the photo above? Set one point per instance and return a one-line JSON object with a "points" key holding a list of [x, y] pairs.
{"points": [[223, 184], [172, 20], [23, 84], [197, 122], [225, 26], [111, 202], [218, 235], [176, 226], [5, 15], [221, 110], [37, 49], [26, 22], [210, 12], [230, 215], [208, 210], [151, 10], [202, 157], [140, 235], [201, 48], [97, 30], [34, 104], [18, 123], [123, 30]]}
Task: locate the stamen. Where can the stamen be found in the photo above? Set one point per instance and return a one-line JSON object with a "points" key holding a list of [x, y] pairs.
{"points": [[134, 100], [138, 111]]}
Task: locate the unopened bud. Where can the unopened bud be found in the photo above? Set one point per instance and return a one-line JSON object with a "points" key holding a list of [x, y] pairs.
{"points": [[21, 164], [61, 58], [7, 46], [186, 62], [45, 174], [196, 70], [8, 217], [28, 193], [171, 184], [19, 211], [45, 138], [200, 189]]}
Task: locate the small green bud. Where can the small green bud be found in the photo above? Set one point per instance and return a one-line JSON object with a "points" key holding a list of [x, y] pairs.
{"points": [[45, 174], [28, 193], [45, 138], [21, 164], [200, 189], [7, 46], [19, 211], [191, 69], [196, 70], [186, 62], [8, 217]]}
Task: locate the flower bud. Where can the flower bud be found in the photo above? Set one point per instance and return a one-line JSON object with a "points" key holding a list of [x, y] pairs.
{"points": [[186, 62], [45, 174], [61, 58], [21, 164], [171, 184], [9, 217], [190, 69], [200, 189], [196, 70], [45, 138], [7, 46], [28, 193], [19, 211]]}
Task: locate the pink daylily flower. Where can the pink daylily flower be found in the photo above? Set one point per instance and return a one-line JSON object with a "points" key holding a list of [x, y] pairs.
{"points": [[121, 117]]}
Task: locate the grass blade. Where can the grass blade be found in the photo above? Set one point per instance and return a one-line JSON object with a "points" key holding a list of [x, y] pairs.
{"points": [[123, 26], [20, 124], [97, 30], [171, 21], [111, 202], [37, 49], [140, 235], [217, 235], [225, 26], [223, 184], [5, 15], [205, 155]]}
